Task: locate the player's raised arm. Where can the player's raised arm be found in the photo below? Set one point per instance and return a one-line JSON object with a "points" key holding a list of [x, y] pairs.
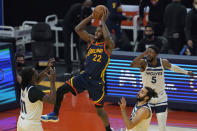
{"points": [[80, 30], [51, 98], [138, 62], [168, 65], [107, 38], [42, 75], [141, 114]]}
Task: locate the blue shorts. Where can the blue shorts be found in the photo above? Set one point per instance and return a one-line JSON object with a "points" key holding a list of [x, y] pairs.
{"points": [[95, 87], [159, 109]]}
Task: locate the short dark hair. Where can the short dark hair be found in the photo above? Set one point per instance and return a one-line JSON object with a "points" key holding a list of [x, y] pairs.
{"points": [[155, 48], [27, 75], [149, 25], [151, 93], [19, 55]]}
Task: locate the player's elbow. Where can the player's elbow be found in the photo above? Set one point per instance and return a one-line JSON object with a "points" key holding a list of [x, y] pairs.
{"points": [[113, 45], [77, 29], [130, 126]]}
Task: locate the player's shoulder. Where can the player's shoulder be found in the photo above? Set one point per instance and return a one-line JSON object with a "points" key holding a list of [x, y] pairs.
{"points": [[144, 111], [34, 89]]}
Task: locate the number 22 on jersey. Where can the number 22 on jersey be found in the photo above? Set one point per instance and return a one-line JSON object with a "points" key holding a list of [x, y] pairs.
{"points": [[97, 58]]}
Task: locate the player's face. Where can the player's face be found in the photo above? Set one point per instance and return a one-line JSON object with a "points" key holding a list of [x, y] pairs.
{"points": [[142, 94], [98, 33], [151, 55]]}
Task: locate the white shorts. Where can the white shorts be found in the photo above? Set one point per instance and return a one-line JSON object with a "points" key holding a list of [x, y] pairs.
{"points": [[28, 125], [160, 100]]}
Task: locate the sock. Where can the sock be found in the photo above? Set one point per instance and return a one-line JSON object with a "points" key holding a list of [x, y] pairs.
{"points": [[108, 128]]}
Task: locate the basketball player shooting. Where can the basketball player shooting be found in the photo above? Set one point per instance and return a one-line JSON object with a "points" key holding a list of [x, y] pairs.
{"points": [[92, 79], [152, 72]]}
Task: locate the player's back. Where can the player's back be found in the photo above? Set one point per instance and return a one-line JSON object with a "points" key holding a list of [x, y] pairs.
{"points": [[97, 60], [29, 110], [153, 76]]}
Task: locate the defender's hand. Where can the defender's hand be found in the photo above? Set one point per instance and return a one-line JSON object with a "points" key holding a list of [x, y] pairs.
{"points": [[52, 75], [122, 103], [190, 73], [51, 62]]}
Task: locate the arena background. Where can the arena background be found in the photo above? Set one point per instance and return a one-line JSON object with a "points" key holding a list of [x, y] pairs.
{"points": [[15, 12]]}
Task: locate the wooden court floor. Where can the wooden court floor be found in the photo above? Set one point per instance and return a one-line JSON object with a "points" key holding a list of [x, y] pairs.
{"points": [[78, 114]]}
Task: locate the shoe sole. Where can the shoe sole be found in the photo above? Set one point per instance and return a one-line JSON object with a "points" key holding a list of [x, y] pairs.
{"points": [[49, 120]]}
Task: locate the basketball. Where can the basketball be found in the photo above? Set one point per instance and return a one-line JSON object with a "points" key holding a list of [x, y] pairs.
{"points": [[98, 11]]}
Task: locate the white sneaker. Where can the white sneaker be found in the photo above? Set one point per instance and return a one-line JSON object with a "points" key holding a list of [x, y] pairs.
{"points": [[112, 129]]}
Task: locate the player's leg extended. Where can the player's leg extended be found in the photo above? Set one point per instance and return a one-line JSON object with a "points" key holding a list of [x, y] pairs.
{"points": [[53, 116], [104, 117], [60, 95], [161, 113]]}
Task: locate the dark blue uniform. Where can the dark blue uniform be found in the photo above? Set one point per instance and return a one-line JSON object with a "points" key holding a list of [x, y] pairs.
{"points": [[92, 79]]}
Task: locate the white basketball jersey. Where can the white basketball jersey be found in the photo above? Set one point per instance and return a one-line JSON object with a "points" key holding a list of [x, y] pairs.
{"points": [[29, 110], [153, 77], [144, 124]]}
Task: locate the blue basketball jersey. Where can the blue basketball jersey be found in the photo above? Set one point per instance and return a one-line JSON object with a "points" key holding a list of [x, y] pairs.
{"points": [[97, 60]]}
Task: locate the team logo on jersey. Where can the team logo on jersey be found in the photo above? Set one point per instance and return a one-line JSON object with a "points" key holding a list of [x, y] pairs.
{"points": [[154, 73], [93, 51]]}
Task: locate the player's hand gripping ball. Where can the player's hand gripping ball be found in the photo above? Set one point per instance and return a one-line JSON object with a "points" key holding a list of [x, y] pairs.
{"points": [[99, 11]]}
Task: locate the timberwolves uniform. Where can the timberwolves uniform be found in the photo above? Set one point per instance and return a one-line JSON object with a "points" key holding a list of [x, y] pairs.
{"points": [[154, 77], [31, 110], [144, 124], [92, 79]]}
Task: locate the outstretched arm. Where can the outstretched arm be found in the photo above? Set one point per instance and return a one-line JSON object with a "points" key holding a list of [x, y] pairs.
{"points": [[80, 30], [138, 62], [109, 42], [43, 74], [141, 114], [168, 65], [51, 98]]}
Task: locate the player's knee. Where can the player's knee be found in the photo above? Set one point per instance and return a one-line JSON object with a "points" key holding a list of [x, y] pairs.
{"points": [[63, 89]]}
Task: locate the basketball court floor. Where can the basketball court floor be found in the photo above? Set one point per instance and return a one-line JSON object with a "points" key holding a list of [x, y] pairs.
{"points": [[78, 114]]}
